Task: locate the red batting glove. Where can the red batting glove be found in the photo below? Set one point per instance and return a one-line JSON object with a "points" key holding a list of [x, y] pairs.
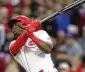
{"points": [[36, 24], [33, 25], [30, 29]]}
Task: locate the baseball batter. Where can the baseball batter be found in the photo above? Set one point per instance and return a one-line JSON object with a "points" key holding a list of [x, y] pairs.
{"points": [[33, 45]]}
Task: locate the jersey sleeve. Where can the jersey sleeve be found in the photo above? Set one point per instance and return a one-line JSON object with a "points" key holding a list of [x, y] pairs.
{"points": [[43, 35], [11, 45], [18, 44]]}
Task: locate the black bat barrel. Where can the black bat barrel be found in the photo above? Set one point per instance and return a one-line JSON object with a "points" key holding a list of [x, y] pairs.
{"points": [[66, 8]]}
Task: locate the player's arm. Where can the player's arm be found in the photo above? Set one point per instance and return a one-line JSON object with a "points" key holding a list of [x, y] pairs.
{"points": [[33, 27], [45, 47], [17, 45], [44, 44]]}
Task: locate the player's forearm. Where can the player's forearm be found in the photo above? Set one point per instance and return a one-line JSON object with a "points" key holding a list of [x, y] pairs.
{"points": [[45, 47], [20, 41], [41, 44]]}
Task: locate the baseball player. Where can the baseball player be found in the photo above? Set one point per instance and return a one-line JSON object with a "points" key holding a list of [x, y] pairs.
{"points": [[32, 47]]}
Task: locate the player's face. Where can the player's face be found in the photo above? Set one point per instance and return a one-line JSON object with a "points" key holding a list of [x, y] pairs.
{"points": [[17, 30]]}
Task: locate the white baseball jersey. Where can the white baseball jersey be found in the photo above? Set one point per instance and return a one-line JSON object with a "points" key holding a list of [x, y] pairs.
{"points": [[32, 59]]}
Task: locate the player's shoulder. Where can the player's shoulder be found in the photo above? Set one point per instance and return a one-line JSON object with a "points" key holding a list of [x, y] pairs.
{"points": [[12, 43], [40, 32]]}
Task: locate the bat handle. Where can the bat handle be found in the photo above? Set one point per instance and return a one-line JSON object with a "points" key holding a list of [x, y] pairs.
{"points": [[49, 17]]}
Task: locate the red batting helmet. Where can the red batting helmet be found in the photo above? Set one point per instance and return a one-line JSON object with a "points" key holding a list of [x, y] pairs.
{"points": [[22, 19]]}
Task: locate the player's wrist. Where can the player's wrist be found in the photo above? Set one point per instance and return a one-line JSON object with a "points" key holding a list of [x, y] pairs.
{"points": [[37, 25]]}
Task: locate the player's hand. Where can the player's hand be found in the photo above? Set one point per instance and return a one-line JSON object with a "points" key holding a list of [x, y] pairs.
{"points": [[36, 24], [30, 29]]}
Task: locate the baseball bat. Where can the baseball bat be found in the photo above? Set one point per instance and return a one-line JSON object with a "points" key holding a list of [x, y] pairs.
{"points": [[66, 8]]}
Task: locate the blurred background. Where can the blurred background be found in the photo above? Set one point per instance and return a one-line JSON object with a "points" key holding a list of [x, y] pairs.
{"points": [[67, 32]]}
